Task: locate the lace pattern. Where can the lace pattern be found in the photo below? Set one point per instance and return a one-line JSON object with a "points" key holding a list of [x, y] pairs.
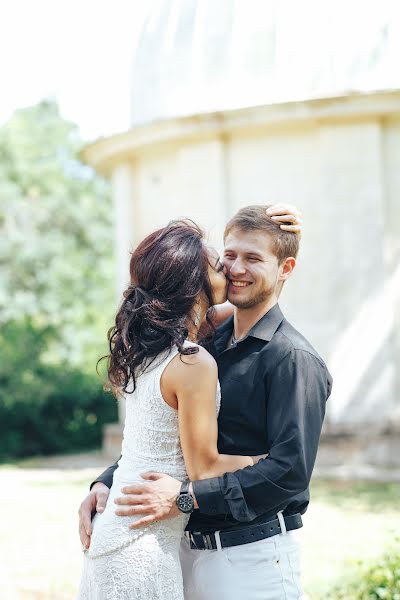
{"points": [[121, 562]]}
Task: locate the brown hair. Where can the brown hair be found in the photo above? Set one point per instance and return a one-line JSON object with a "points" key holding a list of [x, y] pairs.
{"points": [[255, 218], [169, 270]]}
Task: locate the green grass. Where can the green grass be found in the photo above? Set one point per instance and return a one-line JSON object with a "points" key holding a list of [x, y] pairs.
{"points": [[41, 554], [346, 522], [359, 495]]}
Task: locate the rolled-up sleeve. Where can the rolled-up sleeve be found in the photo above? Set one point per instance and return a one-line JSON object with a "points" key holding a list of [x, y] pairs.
{"points": [[296, 393], [106, 477]]}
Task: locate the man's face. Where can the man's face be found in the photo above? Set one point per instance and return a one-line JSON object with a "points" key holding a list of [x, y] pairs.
{"points": [[252, 269]]}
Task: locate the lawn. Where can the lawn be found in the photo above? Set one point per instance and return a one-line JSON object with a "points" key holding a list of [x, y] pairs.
{"points": [[40, 549]]}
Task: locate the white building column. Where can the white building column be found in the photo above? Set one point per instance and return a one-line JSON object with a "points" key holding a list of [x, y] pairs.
{"points": [[202, 171], [391, 151], [123, 182], [355, 282]]}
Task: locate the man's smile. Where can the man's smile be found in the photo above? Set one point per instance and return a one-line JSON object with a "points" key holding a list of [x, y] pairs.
{"points": [[236, 283]]}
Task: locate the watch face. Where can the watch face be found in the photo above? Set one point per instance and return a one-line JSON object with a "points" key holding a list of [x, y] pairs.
{"points": [[185, 503]]}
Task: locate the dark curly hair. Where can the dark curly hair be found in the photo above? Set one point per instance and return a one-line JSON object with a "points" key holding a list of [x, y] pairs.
{"points": [[168, 272]]}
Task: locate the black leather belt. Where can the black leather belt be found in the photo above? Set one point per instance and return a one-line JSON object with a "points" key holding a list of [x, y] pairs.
{"points": [[245, 535]]}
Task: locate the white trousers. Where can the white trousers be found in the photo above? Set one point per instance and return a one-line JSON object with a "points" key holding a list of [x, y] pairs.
{"points": [[264, 570]]}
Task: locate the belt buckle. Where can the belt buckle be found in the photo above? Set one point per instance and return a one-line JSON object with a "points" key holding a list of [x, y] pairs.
{"points": [[207, 541], [196, 536], [192, 537]]}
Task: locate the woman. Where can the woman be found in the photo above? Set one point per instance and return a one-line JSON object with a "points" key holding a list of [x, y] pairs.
{"points": [[172, 400]]}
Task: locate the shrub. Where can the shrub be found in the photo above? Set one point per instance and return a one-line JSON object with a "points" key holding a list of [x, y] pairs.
{"points": [[376, 581], [44, 408]]}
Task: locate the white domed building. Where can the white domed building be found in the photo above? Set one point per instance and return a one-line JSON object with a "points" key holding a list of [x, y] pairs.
{"points": [[236, 103]]}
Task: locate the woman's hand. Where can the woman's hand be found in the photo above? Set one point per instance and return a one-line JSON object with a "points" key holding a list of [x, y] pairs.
{"points": [[288, 216], [255, 459]]}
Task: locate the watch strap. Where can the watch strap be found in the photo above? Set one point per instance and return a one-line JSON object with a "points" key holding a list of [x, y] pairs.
{"points": [[185, 486]]}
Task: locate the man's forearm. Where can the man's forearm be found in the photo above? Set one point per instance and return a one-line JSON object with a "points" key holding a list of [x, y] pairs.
{"points": [[106, 477], [250, 492], [295, 431]]}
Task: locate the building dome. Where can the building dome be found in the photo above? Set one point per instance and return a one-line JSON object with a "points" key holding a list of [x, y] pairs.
{"points": [[196, 56]]}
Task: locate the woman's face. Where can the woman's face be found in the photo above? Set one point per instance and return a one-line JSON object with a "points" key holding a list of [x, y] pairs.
{"points": [[216, 273]]}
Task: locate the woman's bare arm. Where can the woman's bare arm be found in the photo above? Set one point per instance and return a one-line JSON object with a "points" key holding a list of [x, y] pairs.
{"points": [[221, 312], [194, 382]]}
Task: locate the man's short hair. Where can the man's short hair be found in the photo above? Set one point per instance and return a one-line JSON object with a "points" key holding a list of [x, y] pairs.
{"points": [[255, 218]]}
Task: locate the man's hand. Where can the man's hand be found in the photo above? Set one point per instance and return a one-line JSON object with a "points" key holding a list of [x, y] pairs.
{"points": [[154, 500], [287, 216], [95, 501]]}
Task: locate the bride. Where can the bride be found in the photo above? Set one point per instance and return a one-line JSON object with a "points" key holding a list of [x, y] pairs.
{"points": [[172, 400], [172, 394]]}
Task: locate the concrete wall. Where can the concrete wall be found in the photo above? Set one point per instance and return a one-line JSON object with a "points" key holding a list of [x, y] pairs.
{"points": [[343, 171]]}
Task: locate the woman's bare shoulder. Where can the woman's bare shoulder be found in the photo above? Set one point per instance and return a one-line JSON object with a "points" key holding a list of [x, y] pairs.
{"points": [[191, 368], [200, 358]]}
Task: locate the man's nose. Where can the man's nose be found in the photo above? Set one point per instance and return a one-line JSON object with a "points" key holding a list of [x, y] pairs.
{"points": [[237, 268]]}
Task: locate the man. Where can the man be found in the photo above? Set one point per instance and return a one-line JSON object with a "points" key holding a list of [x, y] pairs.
{"points": [[239, 541]]}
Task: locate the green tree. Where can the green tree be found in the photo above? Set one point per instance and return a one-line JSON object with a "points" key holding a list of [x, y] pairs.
{"points": [[46, 408], [55, 236], [56, 287]]}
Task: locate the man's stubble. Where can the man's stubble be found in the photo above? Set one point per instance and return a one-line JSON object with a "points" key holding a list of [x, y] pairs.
{"points": [[259, 298]]}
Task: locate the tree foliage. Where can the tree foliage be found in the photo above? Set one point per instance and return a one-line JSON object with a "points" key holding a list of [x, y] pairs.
{"points": [[55, 234], [46, 408], [378, 580], [56, 287]]}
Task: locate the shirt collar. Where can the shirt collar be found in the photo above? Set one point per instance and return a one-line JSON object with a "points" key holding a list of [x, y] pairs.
{"points": [[264, 329]]}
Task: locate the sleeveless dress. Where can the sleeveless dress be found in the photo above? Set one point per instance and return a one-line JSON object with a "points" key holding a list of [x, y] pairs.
{"points": [[142, 564]]}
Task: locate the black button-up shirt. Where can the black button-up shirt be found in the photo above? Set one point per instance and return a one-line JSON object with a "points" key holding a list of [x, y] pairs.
{"points": [[274, 390]]}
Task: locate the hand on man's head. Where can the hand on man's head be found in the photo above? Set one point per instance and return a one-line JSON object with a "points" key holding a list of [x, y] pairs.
{"points": [[288, 216], [95, 501]]}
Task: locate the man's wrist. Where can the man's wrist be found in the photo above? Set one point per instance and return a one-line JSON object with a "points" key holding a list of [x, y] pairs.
{"points": [[98, 485]]}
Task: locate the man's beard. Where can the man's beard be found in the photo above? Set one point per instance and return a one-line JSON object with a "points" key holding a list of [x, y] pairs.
{"points": [[259, 298]]}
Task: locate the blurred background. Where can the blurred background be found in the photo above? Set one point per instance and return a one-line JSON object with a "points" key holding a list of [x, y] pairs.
{"points": [[115, 118]]}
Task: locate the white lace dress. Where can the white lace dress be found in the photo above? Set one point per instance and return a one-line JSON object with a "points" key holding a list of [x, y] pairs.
{"points": [[142, 564]]}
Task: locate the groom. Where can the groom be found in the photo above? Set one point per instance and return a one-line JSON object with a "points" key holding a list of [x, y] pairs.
{"points": [[239, 542]]}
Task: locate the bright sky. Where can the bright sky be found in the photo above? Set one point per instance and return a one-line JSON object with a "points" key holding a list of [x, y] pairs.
{"points": [[78, 51]]}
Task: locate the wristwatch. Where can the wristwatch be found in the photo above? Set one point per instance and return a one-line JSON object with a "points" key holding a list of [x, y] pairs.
{"points": [[184, 500]]}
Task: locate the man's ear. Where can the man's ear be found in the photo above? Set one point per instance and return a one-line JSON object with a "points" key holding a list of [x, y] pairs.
{"points": [[286, 268]]}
